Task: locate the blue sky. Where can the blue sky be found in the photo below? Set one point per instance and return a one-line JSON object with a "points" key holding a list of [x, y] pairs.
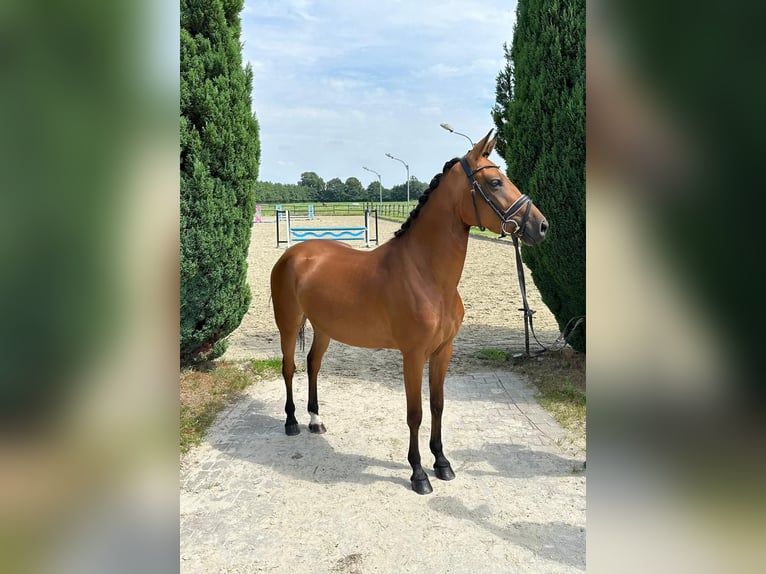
{"points": [[338, 84]]}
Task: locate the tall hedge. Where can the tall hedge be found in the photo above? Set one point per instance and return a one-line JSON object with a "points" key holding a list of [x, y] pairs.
{"points": [[540, 114], [219, 160]]}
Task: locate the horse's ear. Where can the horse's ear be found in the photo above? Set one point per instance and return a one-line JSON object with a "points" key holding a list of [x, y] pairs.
{"points": [[490, 145], [482, 148]]}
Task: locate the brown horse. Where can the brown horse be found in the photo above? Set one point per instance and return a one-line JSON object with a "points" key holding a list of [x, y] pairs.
{"points": [[402, 295]]}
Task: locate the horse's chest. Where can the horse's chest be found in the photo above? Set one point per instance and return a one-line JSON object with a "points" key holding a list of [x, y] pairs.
{"points": [[444, 317]]}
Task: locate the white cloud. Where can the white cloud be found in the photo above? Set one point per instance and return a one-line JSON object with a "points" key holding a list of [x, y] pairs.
{"points": [[440, 70], [339, 84]]}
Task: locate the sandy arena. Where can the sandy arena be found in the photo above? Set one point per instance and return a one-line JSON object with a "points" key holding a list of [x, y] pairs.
{"points": [[255, 500]]}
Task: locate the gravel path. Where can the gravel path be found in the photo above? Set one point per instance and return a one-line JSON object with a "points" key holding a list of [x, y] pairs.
{"points": [[255, 500]]}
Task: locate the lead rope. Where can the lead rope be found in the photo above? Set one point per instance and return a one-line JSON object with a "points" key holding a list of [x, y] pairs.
{"points": [[523, 288], [528, 324]]}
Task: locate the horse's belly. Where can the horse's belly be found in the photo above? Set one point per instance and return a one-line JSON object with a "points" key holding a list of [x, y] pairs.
{"points": [[357, 330]]}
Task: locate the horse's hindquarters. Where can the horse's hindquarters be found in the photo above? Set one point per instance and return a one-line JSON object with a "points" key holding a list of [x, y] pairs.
{"points": [[340, 290]]}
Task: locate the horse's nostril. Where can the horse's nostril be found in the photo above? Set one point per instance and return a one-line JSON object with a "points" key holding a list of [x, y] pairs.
{"points": [[543, 227]]}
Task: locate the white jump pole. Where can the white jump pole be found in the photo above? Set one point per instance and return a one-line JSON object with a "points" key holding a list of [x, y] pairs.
{"points": [[367, 228], [289, 232]]}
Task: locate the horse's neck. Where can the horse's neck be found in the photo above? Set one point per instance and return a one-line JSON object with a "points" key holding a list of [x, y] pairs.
{"points": [[438, 240]]}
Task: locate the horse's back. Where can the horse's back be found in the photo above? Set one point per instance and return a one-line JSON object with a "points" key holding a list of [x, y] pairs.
{"points": [[302, 258]]}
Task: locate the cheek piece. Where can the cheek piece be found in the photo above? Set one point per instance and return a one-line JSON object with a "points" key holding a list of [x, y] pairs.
{"points": [[505, 216]]}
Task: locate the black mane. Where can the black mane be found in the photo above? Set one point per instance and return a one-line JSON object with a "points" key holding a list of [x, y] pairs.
{"points": [[424, 197]]}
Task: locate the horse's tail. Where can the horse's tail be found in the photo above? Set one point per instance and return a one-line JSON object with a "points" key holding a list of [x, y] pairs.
{"points": [[302, 335]]}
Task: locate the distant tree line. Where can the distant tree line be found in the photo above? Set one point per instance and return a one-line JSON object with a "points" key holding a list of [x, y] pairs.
{"points": [[312, 188]]}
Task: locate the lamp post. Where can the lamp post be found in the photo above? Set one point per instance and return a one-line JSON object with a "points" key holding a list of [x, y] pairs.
{"points": [[380, 185], [408, 176], [448, 127]]}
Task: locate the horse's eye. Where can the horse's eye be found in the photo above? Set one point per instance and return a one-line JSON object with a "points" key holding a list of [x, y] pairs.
{"points": [[496, 183]]}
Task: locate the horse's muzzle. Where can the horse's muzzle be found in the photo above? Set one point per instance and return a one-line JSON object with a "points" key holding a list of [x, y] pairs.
{"points": [[534, 233]]}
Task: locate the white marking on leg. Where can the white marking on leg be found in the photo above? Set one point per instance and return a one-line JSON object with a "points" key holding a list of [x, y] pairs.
{"points": [[315, 419]]}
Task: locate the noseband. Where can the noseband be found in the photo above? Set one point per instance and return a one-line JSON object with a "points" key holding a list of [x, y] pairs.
{"points": [[505, 216]]}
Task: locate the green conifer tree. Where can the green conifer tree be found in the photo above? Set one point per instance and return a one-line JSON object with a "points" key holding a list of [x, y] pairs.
{"points": [[219, 160], [543, 131]]}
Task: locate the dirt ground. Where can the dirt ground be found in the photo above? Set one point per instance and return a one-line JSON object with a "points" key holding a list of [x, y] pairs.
{"points": [[255, 500]]}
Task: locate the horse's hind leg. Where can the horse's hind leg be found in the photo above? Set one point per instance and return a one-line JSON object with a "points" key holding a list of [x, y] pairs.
{"points": [[437, 371], [290, 319], [290, 325], [288, 370], [314, 362]]}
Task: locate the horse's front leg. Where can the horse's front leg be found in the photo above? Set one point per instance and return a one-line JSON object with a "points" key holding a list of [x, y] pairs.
{"points": [[413, 384], [437, 371]]}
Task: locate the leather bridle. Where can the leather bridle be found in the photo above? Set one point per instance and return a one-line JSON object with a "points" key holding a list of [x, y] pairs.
{"points": [[505, 216]]}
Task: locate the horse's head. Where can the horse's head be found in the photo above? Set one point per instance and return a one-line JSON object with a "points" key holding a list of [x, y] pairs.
{"points": [[493, 201]]}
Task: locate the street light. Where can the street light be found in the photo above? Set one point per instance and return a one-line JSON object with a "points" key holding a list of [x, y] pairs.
{"points": [[408, 176], [380, 185], [449, 129]]}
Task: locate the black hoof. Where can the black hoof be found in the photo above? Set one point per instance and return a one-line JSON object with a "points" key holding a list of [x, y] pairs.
{"points": [[444, 472], [318, 429], [421, 485], [292, 429]]}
